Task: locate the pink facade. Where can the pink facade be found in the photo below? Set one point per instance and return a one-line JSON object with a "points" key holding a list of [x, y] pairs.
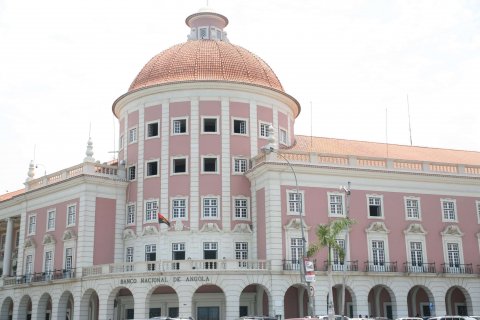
{"points": [[104, 242]]}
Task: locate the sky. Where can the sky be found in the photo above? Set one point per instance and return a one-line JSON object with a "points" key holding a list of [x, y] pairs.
{"points": [[396, 71]]}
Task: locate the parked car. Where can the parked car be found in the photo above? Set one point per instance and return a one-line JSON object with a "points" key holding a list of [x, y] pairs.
{"points": [[409, 318], [258, 318], [323, 317], [451, 318]]}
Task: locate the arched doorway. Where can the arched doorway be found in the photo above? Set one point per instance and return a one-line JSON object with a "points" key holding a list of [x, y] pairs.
{"points": [[209, 303], [381, 302], [349, 307], [65, 306], [25, 307], [295, 302], [163, 301], [89, 305], [6, 311], [44, 311], [254, 300], [420, 302], [458, 301]]}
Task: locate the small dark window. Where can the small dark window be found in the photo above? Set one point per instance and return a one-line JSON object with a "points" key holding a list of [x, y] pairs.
{"points": [[131, 173], [152, 129], [179, 165], [240, 126], [209, 125], [152, 168], [375, 207], [179, 126], [210, 164]]}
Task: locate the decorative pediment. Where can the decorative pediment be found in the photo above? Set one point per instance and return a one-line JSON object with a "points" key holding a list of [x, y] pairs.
{"points": [[49, 239], [295, 223], [452, 230], [149, 230], [242, 228], [377, 227], [415, 228], [210, 227], [129, 234], [69, 235], [29, 243]]}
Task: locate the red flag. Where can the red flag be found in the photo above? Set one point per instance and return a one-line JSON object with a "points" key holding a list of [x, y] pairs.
{"points": [[162, 219]]}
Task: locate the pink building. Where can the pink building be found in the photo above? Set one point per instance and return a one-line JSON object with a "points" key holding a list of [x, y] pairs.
{"points": [[197, 127]]}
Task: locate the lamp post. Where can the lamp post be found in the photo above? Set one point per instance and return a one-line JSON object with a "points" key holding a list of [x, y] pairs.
{"points": [[347, 212], [271, 147]]}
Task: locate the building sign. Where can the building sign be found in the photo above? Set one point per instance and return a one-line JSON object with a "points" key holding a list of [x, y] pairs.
{"points": [[164, 280]]}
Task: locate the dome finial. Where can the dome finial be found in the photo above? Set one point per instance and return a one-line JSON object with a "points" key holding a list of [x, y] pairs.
{"points": [[207, 24], [89, 152]]}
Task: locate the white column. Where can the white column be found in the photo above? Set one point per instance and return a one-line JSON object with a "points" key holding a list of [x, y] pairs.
{"points": [[232, 300], [7, 258]]}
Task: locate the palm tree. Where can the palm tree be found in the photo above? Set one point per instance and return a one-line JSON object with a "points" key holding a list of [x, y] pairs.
{"points": [[327, 235]]}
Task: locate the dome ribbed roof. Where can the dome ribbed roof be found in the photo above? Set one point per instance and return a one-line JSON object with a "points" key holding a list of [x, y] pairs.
{"points": [[206, 60]]}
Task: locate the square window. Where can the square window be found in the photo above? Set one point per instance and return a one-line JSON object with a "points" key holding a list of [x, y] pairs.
{"points": [[179, 208], [152, 168], [209, 125], [151, 209], [241, 208], [449, 210], [131, 173], [210, 208], [335, 205], [295, 202], [375, 206], [240, 165], [152, 130], [210, 165], [132, 135], [412, 208], [180, 165], [179, 126], [239, 126], [264, 130]]}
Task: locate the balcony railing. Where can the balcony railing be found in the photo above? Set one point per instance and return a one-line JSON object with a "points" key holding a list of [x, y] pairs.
{"points": [[380, 267], [420, 268], [40, 277], [457, 268], [347, 266], [371, 163], [295, 265]]}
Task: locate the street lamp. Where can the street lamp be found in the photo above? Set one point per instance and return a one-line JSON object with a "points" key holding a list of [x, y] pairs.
{"points": [[347, 192], [269, 148]]}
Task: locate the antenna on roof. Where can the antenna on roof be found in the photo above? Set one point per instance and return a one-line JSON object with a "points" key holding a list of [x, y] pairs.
{"points": [[409, 125], [386, 129]]}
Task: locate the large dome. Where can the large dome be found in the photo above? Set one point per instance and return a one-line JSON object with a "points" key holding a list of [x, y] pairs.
{"points": [[206, 60]]}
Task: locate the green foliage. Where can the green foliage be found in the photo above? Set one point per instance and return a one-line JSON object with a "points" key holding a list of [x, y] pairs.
{"points": [[327, 237]]}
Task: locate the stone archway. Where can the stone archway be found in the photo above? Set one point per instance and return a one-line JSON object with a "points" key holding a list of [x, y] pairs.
{"points": [[89, 305], [162, 301], [7, 309], [295, 301], [255, 299], [419, 302], [381, 302], [458, 301], [208, 302], [44, 306], [65, 306]]}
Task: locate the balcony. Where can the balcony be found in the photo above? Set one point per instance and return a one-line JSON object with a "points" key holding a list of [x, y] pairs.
{"points": [[420, 268], [347, 266], [294, 264], [380, 266], [457, 268], [40, 277]]}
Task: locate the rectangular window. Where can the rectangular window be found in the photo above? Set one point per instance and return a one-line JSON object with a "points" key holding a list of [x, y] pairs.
{"points": [[48, 267], [210, 208], [378, 252], [412, 208], [416, 254], [131, 214], [375, 206], [453, 255], [132, 175], [151, 209], [282, 136], [129, 254], [210, 252], [68, 259], [51, 220], [448, 210], [241, 208], [202, 33], [150, 255], [152, 129], [71, 215], [296, 251], [239, 126], [180, 165], [240, 165], [264, 130], [337, 258], [241, 250], [29, 265], [210, 125], [178, 253], [179, 126], [152, 168], [210, 165], [132, 135], [32, 224], [335, 205], [295, 202], [179, 208]]}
